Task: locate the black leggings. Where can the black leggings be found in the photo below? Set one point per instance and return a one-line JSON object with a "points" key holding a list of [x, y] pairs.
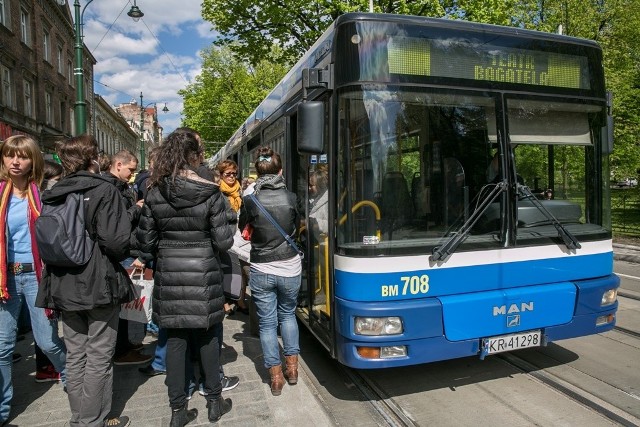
{"points": [[205, 342]]}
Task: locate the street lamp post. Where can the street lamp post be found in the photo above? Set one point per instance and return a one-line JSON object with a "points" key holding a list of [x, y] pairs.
{"points": [[80, 107], [142, 111]]}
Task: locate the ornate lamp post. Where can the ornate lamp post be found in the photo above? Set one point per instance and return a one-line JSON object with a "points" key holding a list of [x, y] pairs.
{"points": [[142, 111], [80, 107]]}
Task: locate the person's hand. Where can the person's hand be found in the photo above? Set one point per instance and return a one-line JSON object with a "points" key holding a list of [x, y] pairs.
{"points": [[137, 264], [140, 202]]}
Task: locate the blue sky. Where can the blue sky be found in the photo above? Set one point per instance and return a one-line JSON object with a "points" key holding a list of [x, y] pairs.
{"points": [[157, 55]]}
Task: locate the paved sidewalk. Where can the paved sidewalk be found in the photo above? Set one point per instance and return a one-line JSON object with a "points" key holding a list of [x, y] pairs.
{"points": [[145, 400]]}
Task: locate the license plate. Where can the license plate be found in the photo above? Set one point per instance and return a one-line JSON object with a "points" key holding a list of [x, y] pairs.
{"points": [[511, 342]]}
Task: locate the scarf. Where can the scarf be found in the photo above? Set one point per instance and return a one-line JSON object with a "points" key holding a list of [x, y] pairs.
{"points": [[271, 181], [232, 193], [33, 212]]}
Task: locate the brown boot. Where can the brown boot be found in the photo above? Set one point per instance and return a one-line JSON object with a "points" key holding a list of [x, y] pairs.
{"points": [[277, 380], [291, 373]]}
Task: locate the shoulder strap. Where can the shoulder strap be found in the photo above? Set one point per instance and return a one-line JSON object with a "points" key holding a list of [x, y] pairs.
{"points": [[276, 225]]}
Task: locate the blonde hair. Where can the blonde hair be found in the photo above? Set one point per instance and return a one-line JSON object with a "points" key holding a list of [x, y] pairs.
{"points": [[27, 147]]}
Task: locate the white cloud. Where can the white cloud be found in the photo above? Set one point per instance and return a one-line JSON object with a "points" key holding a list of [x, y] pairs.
{"points": [[158, 56], [205, 31]]}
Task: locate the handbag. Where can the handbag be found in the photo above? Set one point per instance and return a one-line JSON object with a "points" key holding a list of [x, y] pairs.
{"points": [[276, 225], [232, 282], [139, 310]]}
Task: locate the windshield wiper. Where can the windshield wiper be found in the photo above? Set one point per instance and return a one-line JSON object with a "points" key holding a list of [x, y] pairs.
{"points": [[569, 240], [447, 248]]}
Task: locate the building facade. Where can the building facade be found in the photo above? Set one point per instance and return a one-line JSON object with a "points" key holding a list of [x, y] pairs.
{"points": [[112, 131], [143, 121], [37, 82]]}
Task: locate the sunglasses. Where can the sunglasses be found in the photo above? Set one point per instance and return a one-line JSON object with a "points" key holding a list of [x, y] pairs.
{"points": [[230, 174]]}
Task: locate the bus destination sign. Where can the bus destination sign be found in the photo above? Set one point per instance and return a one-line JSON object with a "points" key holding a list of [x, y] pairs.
{"points": [[481, 62]]}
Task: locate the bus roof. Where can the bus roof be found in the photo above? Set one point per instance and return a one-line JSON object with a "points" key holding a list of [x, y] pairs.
{"points": [[281, 96]]}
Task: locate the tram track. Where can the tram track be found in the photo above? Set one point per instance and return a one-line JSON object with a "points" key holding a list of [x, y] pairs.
{"points": [[391, 410], [571, 391], [385, 406]]}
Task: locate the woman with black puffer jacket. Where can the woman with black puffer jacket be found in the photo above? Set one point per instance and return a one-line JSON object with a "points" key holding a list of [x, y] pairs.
{"points": [[185, 223]]}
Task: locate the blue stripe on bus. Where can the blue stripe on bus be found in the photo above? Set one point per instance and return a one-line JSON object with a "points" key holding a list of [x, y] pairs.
{"points": [[459, 280], [424, 320]]}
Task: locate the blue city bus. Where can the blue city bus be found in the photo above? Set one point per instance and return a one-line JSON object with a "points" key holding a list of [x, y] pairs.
{"points": [[453, 181]]}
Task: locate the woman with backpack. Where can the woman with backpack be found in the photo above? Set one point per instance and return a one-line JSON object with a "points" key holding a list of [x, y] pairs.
{"points": [[21, 173], [88, 293], [185, 223]]}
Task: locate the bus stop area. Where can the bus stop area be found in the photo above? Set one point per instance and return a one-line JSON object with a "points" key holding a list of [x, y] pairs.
{"points": [[314, 401], [144, 399]]}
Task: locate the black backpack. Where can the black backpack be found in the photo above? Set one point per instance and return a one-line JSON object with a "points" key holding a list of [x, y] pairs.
{"points": [[61, 234]]}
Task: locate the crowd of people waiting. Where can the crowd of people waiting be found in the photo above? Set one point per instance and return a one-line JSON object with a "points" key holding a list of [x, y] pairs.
{"points": [[178, 220]]}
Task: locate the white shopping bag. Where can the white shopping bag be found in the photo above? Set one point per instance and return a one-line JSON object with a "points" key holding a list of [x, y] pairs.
{"points": [[139, 310]]}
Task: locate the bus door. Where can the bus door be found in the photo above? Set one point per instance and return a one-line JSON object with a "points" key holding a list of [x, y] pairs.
{"points": [[313, 191]]}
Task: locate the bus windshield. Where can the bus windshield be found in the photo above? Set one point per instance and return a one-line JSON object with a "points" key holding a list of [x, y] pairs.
{"points": [[415, 164]]}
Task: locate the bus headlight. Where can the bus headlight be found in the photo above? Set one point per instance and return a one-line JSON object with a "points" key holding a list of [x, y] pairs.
{"points": [[378, 326], [609, 297]]}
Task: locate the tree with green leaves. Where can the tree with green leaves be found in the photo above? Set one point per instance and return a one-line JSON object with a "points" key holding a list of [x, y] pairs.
{"points": [[294, 25], [224, 94]]}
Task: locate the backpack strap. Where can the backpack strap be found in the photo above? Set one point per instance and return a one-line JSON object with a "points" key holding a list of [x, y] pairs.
{"points": [[276, 225]]}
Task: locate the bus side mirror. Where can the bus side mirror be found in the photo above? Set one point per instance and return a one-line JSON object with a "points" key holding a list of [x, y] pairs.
{"points": [[311, 127]]}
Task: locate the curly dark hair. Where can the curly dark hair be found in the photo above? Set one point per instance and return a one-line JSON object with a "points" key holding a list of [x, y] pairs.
{"points": [[179, 151], [267, 161]]}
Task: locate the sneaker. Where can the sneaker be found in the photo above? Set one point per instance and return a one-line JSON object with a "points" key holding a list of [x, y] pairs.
{"points": [[136, 346], [117, 422], [229, 383], [17, 357], [150, 371], [47, 374], [201, 390], [191, 389], [132, 357]]}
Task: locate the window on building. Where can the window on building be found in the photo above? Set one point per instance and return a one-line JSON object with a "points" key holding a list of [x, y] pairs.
{"points": [[60, 60], [48, 108], [24, 26], [7, 87], [70, 72], [46, 46], [28, 98], [63, 115], [72, 119], [87, 88], [4, 13]]}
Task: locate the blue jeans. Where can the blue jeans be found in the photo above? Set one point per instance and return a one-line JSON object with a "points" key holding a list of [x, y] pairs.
{"points": [[276, 299], [23, 288], [160, 358]]}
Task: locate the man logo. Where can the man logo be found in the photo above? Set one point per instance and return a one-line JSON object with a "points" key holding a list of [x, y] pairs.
{"points": [[513, 308], [513, 321]]}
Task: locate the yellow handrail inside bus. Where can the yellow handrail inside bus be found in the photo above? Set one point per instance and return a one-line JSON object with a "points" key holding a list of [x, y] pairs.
{"points": [[323, 273], [360, 204]]}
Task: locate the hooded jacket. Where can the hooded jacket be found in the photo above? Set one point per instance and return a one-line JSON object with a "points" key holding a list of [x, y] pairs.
{"points": [[102, 281], [133, 210], [186, 223]]}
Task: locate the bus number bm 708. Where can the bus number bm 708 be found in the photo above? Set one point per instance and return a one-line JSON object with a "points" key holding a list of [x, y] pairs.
{"points": [[411, 285]]}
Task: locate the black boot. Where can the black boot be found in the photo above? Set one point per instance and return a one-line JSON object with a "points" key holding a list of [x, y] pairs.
{"points": [[183, 416], [218, 407]]}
